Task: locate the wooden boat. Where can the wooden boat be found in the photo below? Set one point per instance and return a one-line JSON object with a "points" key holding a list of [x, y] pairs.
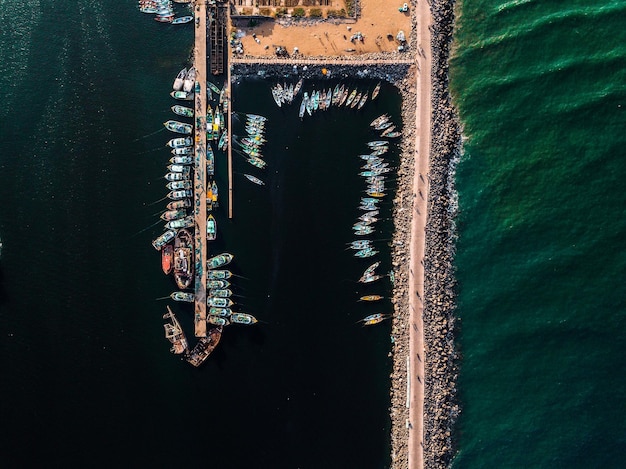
{"points": [[180, 142], [164, 18], [221, 293], [370, 278], [174, 333], [367, 252], [393, 134], [182, 95], [214, 284], [182, 20], [360, 244], [167, 258], [298, 87], [243, 318], [182, 151], [162, 240], [178, 185], [213, 192], [178, 127], [219, 302], [254, 179], [182, 296], [177, 177], [223, 143], [205, 346], [214, 88], [364, 231], [380, 195], [380, 120], [178, 204], [178, 82], [217, 321], [219, 274], [183, 264], [186, 222], [219, 260], [222, 312], [256, 161], [210, 160], [376, 91], [374, 319], [328, 98], [344, 97], [211, 228], [351, 98], [371, 298], [182, 110], [362, 101]]}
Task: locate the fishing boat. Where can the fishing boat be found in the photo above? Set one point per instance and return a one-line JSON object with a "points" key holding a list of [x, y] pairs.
{"points": [[356, 101], [328, 98], [219, 260], [351, 97], [362, 101], [167, 258], [336, 95], [380, 195], [316, 100], [303, 104], [186, 222], [222, 312], [221, 293], [223, 143], [393, 134], [389, 129], [214, 192], [377, 143], [182, 95], [298, 87], [180, 142], [243, 318], [178, 204], [205, 346], [219, 274], [369, 215], [219, 302], [173, 215], [178, 82], [371, 298], [164, 18], [210, 160], [256, 161], [374, 319], [178, 168], [182, 151], [182, 296], [163, 239], [174, 333], [182, 110], [214, 284], [182, 20], [360, 244], [376, 91], [214, 88], [363, 253], [322, 103], [181, 194], [183, 264], [190, 79], [177, 177], [178, 127], [183, 159], [254, 179], [344, 97], [380, 151], [364, 231], [178, 185], [277, 95], [218, 321], [211, 228]]}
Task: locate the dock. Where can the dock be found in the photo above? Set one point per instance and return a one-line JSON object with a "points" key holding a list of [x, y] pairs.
{"points": [[200, 176]]}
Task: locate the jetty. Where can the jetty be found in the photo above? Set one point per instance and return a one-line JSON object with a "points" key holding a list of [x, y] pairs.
{"points": [[200, 176]]}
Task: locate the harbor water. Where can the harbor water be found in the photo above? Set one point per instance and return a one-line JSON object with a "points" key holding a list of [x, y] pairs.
{"points": [[88, 378], [540, 87]]}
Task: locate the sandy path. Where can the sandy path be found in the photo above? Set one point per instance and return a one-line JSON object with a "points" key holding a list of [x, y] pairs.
{"points": [[418, 225]]}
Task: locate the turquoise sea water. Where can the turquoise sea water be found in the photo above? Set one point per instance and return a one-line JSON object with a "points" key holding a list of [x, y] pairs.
{"points": [[541, 88]]}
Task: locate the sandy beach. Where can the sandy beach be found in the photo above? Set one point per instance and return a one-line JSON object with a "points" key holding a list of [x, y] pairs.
{"points": [[423, 380]]}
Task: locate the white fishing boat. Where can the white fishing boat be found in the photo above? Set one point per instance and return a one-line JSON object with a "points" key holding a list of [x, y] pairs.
{"points": [[180, 78], [303, 105], [190, 79], [180, 142], [182, 20]]}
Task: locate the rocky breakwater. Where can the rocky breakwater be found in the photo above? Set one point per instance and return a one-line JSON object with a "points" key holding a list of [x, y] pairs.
{"points": [[439, 302]]}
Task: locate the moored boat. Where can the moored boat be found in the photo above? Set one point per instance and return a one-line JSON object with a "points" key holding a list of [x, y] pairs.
{"points": [[177, 177], [180, 142], [218, 321], [178, 127], [174, 333], [183, 265], [182, 95], [219, 260], [178, 82], [376, 91], [186, 222], [182, 296], [162, 240], [367, 252], [374, 319], [219, 274], [173, 214], [221, 293], [362, 101], [178, 185], [182, 110], [181, 159], [190, 79], [243, 318], [303, 104], [167, 258], [182, 151], [351, 97], [205, 346], [254, 179], [215, 284], [211, 228], [178, 204], [371, 298], [182, 20], [223, 312], [219, 302], [380, 120]]}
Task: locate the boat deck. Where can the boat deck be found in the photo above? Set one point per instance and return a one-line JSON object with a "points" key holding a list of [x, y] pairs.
{"points": [[200, 176]]}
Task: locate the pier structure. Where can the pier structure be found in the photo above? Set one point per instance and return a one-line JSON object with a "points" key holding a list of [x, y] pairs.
{"points": [[229, 119], [200, 172]]}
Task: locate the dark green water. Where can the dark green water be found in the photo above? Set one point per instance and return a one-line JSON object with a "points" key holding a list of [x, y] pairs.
{"points": [[87, 377], [541, 91]]}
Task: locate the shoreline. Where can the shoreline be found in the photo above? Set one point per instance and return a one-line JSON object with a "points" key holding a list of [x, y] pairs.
{"points": [[437, 366]]}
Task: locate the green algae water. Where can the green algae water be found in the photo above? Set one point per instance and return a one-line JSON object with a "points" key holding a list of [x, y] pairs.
{"points": [[541, 89]]}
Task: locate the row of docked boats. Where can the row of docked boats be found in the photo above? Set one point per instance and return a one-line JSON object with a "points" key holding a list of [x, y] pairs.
{"points": [[374, 171], [340, 96], [164, 11], [285, 94]]}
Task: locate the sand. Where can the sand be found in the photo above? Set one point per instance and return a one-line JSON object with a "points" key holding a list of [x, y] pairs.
{"points": [[330, 38]]}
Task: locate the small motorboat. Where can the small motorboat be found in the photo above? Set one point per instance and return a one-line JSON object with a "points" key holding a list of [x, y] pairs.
{"points": [[189, 81], [167, 258], [163, 239], [182, 194], [254, 179], [211, 228], [376, 91], [186, 222], [221, 293], [182, 20], [182, 151], [374, 319], [371, 298], [173, 214]]}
